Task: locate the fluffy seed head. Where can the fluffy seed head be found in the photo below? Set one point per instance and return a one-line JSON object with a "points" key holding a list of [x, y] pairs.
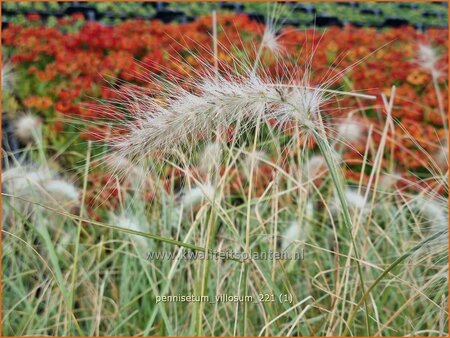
{"points": [[270, 40], [293, 233], [125, 168], [428, 58], [350, 131], [388, 181], [314, 166], [355, 201], [193, 197], [22, 181], [210, 158], [62, 191], [40, 185], [132, 223], [434, 213], [298, 231], [182, 116], [256, 156], [25, 127]]}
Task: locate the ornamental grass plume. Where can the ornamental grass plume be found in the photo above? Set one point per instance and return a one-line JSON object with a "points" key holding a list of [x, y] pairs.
{"points": [[355, 201], [298, 232], [270, 40], [428, 58], [177, 117], [175, 111], [210, 159], [350, 131], [26, 127], [128, 221], [256, 156], [433, 211], [192, 198], [38, 184], [433, 215], [61, 190], [315, 166], [134, 174], [19, 179]]}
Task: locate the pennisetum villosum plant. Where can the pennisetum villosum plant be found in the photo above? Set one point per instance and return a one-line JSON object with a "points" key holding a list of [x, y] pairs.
{"points": [[213, 135], [172, 119]]}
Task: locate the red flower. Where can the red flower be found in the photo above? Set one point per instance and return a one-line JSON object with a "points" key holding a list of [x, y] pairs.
{"points": [[67, 108], [68, 94]]}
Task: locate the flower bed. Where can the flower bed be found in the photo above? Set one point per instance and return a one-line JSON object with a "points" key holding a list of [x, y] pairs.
{"points": [[63, 70]]}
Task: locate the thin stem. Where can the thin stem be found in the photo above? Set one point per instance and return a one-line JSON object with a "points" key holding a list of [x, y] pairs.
{"points": [[77, 243], [389, 269], [247, 227], [440, 101], [215, 51], [132, 232], [332, 91], [212, 227], [326, 152], [57, 274]]}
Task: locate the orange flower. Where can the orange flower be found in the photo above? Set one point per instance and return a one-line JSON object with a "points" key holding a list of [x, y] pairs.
{"points": [[38, 102], [48, 74], [417, 78]]}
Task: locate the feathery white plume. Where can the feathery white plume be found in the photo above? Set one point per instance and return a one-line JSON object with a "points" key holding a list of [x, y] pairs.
{"points": [[193, 197], [355, 201], [29, 182], [120, 165], [26, 126], [132, 223], [117, 163], [162, 125], [314, 166], [435, 213], [428, 58], [292, 234], [389, 180], [299, 104], [350, 131], [297, 231], [270, 39], [22, 181], [62, 191], [210, 158]]}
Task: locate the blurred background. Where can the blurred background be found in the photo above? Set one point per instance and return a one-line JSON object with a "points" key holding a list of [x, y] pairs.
{"points": [[421, 15]]}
